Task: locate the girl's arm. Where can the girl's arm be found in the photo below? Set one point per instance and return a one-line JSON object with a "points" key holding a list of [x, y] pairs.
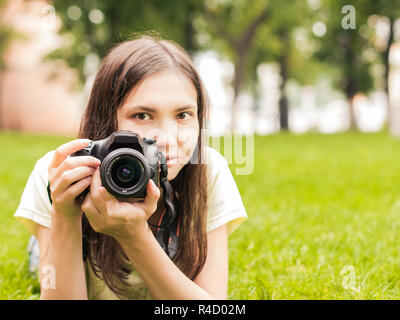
{"points": [[164, 279], [62, 273]]}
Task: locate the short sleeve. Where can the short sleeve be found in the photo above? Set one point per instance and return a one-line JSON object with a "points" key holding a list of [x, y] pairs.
{"points": [[225, 205], [35, 207]]}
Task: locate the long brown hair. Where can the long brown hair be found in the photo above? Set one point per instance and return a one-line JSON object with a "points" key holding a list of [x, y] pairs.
{"points": [[124, 67]]}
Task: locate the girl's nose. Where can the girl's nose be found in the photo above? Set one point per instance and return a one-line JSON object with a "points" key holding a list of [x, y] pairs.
{"points": [[166, 136]]}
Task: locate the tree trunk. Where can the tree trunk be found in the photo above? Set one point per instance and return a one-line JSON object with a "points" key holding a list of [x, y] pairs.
{"points": [[353, 124], [387, 67], [283, 101], [237, 83], [189, 32], [241, 46], [349, 80], [283, 113], [350, 93]]}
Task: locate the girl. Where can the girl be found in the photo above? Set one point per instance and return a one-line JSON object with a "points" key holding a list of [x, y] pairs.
{"points": [[148, 86]]}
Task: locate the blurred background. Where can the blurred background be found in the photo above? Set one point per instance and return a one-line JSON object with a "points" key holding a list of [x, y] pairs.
{"points": [[316, 83], [305, 65]]}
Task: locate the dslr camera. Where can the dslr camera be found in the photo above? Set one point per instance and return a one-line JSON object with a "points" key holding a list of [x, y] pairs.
{"points": [[128, 162]]}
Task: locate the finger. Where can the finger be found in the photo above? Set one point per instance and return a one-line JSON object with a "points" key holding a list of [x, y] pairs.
{"points": [[90, 210], [63, 151], [106, 196], [96, 182], [72, 176], [81, 161], [152, 196], [95, 194], [77, 188]]}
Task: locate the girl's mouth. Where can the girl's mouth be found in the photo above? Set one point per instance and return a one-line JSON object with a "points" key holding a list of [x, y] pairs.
{"points": [[171, 161]]}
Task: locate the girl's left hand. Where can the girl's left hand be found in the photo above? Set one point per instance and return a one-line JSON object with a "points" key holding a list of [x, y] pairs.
{"points": [[121, 220]]}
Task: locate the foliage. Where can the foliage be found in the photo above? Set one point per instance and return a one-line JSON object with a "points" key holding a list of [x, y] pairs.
{"points": [[96, 26], [346, 49]]}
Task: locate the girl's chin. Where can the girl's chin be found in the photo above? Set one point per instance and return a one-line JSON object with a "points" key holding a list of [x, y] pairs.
{"points": [[171, 176], [174, 170]]}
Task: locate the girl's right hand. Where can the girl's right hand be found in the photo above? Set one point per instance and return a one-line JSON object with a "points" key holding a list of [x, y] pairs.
{"points": [[70, 176]]}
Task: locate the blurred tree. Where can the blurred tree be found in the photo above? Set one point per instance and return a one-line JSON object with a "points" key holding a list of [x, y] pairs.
{"points": [[343, 48], [284, 40], [93, 26], [263, 31], [390, 11], [235, 40]]}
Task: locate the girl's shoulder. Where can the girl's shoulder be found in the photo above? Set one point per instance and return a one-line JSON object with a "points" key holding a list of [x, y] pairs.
{"points": [[218, 172], [214, 158], [42, 164], [40, 173], [34, 206], [225, 205]]}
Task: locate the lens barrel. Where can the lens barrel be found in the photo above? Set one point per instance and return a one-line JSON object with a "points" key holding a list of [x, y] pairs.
{"points": [[124, 171]]}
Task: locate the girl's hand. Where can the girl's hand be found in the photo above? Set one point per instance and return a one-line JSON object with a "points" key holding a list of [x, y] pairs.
{"points": [[121, 220], [69, 176]]}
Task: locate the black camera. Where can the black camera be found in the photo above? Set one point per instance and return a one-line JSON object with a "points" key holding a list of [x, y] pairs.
{"points": [[128, 162]]}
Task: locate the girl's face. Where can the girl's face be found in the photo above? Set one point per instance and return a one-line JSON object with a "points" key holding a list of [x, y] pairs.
{"points": [[164, 107]]}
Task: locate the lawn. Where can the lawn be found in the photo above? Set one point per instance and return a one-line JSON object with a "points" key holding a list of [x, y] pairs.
{"points": [[19, 153], [324, 216]]}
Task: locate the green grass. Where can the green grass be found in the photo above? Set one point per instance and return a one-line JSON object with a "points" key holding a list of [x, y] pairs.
{"points": [[316, 204], [19, 153]]}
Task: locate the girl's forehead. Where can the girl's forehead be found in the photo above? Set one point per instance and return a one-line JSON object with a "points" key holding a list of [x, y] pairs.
{"points": [[160, 89], [165, 81]]}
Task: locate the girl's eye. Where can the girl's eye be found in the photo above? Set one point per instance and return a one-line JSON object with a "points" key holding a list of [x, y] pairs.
{"points": [[185, 117], [140, 116]]}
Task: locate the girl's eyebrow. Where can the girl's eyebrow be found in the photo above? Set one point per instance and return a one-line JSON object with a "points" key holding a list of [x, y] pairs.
{"points": [[185, 107]]}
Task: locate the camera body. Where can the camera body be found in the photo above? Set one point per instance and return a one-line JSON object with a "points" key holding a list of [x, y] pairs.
{"points": [[128, 162]]}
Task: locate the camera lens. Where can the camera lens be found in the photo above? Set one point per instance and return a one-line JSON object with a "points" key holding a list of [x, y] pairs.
{"points": [[126, 172]]}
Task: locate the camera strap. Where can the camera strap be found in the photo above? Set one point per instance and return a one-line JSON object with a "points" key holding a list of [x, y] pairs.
{"points": [[167, 235], [173, 235]]}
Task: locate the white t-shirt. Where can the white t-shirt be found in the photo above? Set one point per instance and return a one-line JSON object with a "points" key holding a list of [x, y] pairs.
{"points": [[225, 206]]}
